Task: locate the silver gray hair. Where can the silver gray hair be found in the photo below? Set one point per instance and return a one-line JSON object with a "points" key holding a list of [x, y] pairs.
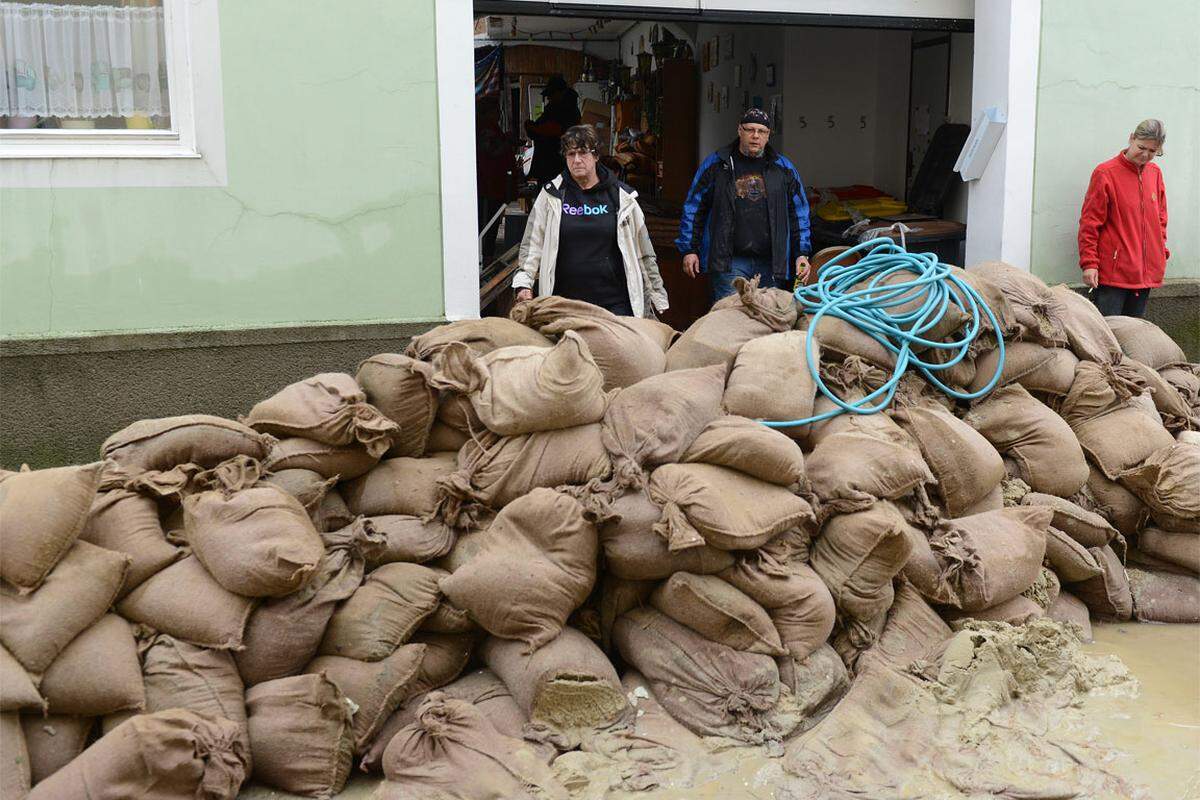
{"points": [[1151, 129]]}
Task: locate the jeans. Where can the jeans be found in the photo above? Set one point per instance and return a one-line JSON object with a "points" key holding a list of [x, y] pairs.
{"points": [[1114, 301], [744, 267]]}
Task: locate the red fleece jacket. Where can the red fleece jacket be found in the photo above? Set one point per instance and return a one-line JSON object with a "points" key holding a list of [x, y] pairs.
{"points": [[1123, 225]]}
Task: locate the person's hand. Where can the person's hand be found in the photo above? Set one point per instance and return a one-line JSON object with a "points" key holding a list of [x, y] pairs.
{"points": [[524, 294], [691, 265], [1091, 277], [802, 269]]}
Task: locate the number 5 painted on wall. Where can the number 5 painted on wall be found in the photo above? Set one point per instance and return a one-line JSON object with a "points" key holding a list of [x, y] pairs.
{"points": [[829, 121], [862, 122]]}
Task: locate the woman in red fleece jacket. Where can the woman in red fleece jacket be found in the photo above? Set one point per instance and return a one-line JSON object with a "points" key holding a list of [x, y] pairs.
{"points": [[1123, 226]]}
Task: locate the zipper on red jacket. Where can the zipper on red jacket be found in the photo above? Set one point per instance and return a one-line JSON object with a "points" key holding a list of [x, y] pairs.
{"points": [[1142, 223]]}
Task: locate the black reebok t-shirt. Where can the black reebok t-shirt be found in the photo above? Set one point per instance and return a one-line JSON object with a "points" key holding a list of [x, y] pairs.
{"points": [[751, 225], [589, 263]]}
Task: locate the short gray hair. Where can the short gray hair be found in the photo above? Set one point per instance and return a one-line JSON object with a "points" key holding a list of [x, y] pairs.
{"points": [[1151, 129]]}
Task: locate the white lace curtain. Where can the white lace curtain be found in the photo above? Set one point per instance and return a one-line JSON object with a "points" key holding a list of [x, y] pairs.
{"points": [[82, 61]]}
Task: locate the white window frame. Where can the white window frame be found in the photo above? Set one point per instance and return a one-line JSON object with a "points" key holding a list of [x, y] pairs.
{"points": [[192, 153]]}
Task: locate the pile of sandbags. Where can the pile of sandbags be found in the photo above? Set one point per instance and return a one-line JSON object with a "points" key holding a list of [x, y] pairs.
{"points": [[452, 566]]}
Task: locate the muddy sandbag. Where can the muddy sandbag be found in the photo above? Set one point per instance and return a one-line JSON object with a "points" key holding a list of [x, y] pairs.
{"points": [[1088, 332], [383, 613], [817, 681], [1168, 481], [750, 447], [258, 542], [345, 462], [330, 408], [301, 737], [398, 386], [481, 335], [852, 470], [719, 612], [283, 634], [1144, 341], [617, 596], [717, 336], [375, 687], [1115, 503], [524, 389], [408, 539], [178, 753], [1182, 549], [200, 679], [536, 565], [186, 602], [726, 509], [1164, 597], [1039, 314], [399, 486], [443, 438], [1070, 610], [1185, 379], [1041, 370], [797, 601], [965, 465], [633, 551], [446, 655], [770, 379], [711, 689], [1098, 389], [1086, 527], [623, 351], [1017, 610], [41, 515], [128, 523], [39, 625], [53, 742], [858, 554], [1121, 440], [18, 692], [1107, 595], [925, 571], [1069, 559], [306, 485], [654, 421], [160, 444], [448, 619], [97, 673], [992, 557], [1044, 448], [14, 758]]}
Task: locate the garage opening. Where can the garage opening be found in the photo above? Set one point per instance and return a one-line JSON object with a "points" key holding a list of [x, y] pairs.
{"points": [[872, 114]]}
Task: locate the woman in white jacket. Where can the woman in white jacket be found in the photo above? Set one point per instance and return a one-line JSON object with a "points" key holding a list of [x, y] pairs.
{"points": [[586, 238]]}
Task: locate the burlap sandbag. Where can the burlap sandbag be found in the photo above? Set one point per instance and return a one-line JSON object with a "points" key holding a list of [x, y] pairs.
{"points": [[771, 380], [850, 471], [41, 515], [925, 571], [713, 690], [1069, 559], [330, 408], [1039, 314], [991, 557], [1070, 610], [618, 596], [320, 499], [705, 504], [345, 462], [200, 679], [1185, 379], [536, 565], [1107, 595], [524, 389], [993, 297], [301, 737], [170, 754], [750, 447], [258, 542], [160, 444], [18, 691], [633, 551], [444, 438], [1120, 440], [817, 681], [1168, 481], [1086, 527], [1088, 333], [1098, 389], [383, 613], [966, 466], [481, 335], [1172, 406], [748, 314], [796, 599], [1019, 610], [53, 742], [1144, 341], [1163, 597], [1114, 502], [399, 387], [98, 673], [654, 421], [858, 554], [718, 612], [39, 625], [399, 486], [1041, 370], [1044, 448], [1182, 549], [184, 601], [14, 758], [408, 539], [128, 523], [624, 352]]}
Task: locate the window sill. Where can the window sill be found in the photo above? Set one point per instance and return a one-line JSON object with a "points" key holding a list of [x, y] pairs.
{"points": [[94, 144]]}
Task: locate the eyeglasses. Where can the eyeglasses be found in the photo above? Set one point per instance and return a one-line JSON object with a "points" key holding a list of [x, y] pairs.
{"points": [[575, 155], [757, 131]]}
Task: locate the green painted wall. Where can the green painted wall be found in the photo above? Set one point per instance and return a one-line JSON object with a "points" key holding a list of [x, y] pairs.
{"points": [[331, 213], [1105, 66]]}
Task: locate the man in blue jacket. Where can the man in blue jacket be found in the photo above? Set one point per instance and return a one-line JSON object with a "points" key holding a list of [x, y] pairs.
{"points": [[746, 214]]}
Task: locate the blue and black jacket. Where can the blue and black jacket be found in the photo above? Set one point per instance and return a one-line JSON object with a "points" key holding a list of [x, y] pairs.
{"points": [[706, 227]]}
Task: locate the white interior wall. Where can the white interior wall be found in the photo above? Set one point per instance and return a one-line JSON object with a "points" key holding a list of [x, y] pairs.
{"points": [[765, 43], [962, 55]]}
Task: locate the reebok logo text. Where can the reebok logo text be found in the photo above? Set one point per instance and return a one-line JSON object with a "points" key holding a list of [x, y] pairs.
{"points": [[584, 209]]}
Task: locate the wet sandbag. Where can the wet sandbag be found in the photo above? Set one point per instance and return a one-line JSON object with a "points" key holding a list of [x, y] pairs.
{"points": [[796, 599], [186, 602], [383, 613], [41, 515], [160, 444], [858, 554], [717, 336], [443, 438], [1107, 595], [749, 447], [537, 564], [1176, 412], [1070, 610], [1088, 333], [446, 656], [705, 504], [408, 539], [18, 691], [283, 634], [617, 596], [1086, 527], [713, 690], [39, 625], [1018, 610], [1185, 379], [852, 470], [98, 673], [966, 466], [53, 742], [817, 681], [1144, 341], [14, 758], [770, 379], [200, 679], [345, 462], [178, 752], [1069, 559], [399, 486], [301, 737], [624, 352], [1115, 503], [377, 688], [1121, 440], [1044, 448], [718, 612], [1045, 370], [399, 387], [1169, 483], [1164, 597], [128, 523], [1040, 314], [524, 389], [991, 557], [633, 551], [330, 408], [481, 335], [1182, 549], [258, 542], [654, 421], [1098, 389]]}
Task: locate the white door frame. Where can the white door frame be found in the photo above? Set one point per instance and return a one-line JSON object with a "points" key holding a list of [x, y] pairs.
{"points": [[1000, 203]]}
